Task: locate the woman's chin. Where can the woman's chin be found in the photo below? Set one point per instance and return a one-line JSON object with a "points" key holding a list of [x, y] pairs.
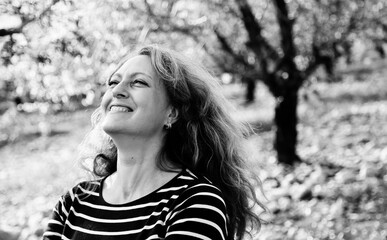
{"points": [[111, 128]]}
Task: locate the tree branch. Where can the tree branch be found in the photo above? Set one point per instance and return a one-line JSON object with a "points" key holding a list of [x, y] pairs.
{"points": [[256, 42], [254, 29], [286, 29], [149, 9], [287, 63], [227, 48], [26, 21]]}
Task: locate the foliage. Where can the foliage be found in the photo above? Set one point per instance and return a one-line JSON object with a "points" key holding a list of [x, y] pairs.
{"points": [[61, 51], [56, 57], [54, 50]]}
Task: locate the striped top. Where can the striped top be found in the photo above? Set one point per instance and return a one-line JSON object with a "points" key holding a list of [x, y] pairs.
{"points": [[187, 207]]}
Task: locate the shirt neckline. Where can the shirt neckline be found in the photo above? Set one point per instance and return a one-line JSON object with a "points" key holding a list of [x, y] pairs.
{"points": [[141, 199]]}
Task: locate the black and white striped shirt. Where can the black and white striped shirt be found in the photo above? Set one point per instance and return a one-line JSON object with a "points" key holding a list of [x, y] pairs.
{"points": [[187, 207]]}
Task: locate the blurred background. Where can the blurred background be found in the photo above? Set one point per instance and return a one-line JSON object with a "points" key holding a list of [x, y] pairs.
{"points": [[309, 76]]}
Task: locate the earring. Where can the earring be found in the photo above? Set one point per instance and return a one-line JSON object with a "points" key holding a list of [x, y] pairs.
{"points": [[168, 125]]}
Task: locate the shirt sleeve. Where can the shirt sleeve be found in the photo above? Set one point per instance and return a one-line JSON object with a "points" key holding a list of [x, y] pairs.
{"points": [[58, 217], [200, 214]]}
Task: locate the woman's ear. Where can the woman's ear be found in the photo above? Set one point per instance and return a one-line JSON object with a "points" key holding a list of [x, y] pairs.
{"points": [[173, 115]]}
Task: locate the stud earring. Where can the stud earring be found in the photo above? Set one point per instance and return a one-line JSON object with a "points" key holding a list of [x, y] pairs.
{"points": [[168, 125]]}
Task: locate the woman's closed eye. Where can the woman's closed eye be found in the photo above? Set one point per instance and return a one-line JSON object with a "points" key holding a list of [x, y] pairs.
{"points": [[139, 83], [113, 82], [136, 82]]}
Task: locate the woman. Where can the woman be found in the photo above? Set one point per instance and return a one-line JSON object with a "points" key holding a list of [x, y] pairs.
{"points": [[172, 166]]}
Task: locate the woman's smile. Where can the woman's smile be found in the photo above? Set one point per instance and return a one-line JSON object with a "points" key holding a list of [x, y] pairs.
{"points": [[114, 108]]}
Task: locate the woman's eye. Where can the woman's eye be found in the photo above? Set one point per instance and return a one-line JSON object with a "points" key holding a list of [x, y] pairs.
{"points": [[138, 83], [112, 83]]}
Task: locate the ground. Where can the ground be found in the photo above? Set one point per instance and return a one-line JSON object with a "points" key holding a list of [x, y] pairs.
{"points": [[339, 191]]}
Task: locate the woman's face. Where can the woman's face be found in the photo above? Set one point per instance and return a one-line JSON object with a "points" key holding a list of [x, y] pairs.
{"points": [[136, 102]]}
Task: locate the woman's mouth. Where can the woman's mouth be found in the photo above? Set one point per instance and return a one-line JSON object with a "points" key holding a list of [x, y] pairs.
{"points": [[120, 109]]}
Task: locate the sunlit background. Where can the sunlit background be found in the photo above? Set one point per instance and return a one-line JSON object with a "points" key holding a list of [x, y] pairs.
{"points": [[309, 76]]}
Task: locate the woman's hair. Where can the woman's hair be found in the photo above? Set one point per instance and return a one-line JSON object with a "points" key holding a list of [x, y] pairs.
{"points": [[205, 138]]}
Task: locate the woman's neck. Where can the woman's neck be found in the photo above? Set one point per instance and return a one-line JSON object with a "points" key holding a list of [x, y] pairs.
{"points": [[137, 171]]}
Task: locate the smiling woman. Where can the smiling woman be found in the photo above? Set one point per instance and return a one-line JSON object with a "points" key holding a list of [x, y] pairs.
{"points": [[169, 161], [136, 103]]}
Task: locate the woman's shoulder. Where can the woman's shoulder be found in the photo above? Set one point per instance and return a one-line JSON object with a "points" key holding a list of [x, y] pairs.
{"points": [[199, 188], [198, 180], [89, 187]]}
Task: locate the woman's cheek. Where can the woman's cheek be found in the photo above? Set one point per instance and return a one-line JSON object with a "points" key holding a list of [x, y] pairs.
{"points": [[105, 101]]}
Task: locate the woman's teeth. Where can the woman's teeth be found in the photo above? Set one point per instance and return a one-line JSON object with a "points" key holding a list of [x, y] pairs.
{"points": [[119, 109]]}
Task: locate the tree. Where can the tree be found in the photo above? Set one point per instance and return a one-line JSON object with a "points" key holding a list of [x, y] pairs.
{"points": [[275, 66], [278, 42]]}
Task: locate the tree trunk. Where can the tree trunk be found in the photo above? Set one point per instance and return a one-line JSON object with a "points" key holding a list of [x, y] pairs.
{"points": [[250, 90], [286, 123]]}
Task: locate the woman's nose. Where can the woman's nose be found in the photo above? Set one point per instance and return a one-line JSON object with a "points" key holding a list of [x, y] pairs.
{"points": [[120, 91]]}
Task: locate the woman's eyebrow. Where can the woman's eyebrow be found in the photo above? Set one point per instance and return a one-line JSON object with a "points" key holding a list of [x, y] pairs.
{"points": [[140, 73], [132, 75], [117, 75], [114, 74]]}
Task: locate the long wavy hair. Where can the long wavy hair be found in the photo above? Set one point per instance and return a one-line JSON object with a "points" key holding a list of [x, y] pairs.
{"points": [[205, 138]]}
